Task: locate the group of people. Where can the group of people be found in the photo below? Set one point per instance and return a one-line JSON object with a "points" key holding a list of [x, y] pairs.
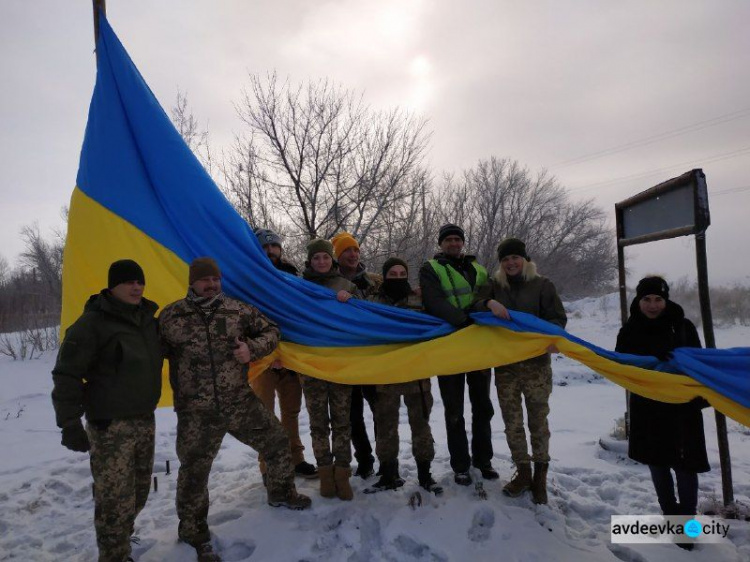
{"points": [[109, 368]]}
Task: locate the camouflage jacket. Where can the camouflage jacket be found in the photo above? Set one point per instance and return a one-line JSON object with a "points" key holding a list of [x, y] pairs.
{"points": [[411, 302], [332, 280], [367, 283], [199, 346]]}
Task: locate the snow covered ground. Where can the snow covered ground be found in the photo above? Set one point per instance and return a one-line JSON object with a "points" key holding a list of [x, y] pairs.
{"points": [[47, 510]]}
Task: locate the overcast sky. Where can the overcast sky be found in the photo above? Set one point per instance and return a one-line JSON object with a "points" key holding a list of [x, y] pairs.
{"points": [[542, 82]]}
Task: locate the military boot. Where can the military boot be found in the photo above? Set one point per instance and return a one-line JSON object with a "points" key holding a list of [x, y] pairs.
{"points": [[327, 485], [291, 500], [341, 476], [206, 553], [520, 482], [539, 486], [425, 478], [389, 478]]}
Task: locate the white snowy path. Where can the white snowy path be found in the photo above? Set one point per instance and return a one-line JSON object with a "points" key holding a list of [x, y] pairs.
{"points": [[47, 510]]}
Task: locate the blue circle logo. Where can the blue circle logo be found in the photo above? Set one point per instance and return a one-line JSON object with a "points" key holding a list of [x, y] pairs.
{"points": [[693, 528]]}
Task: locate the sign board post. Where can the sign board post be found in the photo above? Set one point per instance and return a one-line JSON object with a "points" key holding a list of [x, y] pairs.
{"points": [[677, 207]]}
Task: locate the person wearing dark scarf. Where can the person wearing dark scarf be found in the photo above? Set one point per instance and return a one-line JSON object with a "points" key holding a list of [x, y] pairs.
{"points": [[209, 339], [396, 291], [666, 437]]}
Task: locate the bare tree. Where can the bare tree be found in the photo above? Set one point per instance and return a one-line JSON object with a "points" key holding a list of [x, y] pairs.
{"points": [[44, 259], [323, 160], [4, 271], [570, 241], [196, 138]]}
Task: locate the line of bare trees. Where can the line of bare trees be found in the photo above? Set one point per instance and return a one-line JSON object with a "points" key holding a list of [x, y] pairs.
{"points": [[31, 296], [313, 159]]}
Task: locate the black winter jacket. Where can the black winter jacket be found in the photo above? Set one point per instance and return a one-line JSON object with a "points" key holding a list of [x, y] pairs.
{"points": [[663, 434], [109, 364], [433, 296]]}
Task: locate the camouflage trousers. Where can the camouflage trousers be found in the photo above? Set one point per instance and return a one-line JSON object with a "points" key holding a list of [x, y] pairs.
{"points": [[286, 384], [199, 436], [122, 460], [329, 406], [532, 382], [418, 407]]}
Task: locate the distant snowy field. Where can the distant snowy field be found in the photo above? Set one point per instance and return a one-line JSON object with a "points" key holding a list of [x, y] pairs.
{"points": [[47, 510]]}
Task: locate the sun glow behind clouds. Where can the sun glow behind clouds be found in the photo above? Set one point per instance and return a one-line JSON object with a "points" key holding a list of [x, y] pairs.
{"points": [[421, 73], [373, 31], [374, 46]]}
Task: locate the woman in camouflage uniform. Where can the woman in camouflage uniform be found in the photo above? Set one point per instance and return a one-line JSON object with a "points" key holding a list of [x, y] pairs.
{"points": [[321, 397], [517, 286]]}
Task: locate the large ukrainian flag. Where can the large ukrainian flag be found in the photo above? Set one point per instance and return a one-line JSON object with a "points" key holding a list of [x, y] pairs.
{"points": [[142, 194]]}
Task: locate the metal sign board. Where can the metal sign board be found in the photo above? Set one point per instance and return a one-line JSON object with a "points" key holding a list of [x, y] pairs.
{"points": [[676, 207]]}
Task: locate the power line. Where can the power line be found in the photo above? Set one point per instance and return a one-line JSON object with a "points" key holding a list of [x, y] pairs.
{"points": [[729, 191], [655, 138], [703, 161]]}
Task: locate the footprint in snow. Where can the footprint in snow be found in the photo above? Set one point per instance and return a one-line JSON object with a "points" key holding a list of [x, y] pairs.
{"points": [[481, 524], [410, 547], [216, 519], [625, 554], [237, 551]]}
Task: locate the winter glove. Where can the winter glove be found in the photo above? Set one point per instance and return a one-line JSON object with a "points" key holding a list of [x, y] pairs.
{"points": [[466, 323], [700, 403], [74, 438]]}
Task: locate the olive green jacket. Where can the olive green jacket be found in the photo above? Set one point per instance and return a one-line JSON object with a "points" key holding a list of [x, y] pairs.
{"points": [[529, 292]]}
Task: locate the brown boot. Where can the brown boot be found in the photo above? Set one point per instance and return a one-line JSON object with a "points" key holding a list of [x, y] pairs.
{"points": [[327, 484], [520, 482], [343, 489], [539, 486]]}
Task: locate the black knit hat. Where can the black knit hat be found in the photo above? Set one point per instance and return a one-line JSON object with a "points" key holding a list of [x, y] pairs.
{"points": [[512, 247], [450, 230], [123, 271], [390, 262], [652, 286]]}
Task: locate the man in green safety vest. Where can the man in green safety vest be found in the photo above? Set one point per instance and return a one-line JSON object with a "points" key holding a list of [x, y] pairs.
{"points": [[449, 283]]}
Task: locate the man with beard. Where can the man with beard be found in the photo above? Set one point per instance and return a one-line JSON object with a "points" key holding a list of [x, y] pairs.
{"points": [[278, 380], [209, 339], [346, 253], [449, 283]]}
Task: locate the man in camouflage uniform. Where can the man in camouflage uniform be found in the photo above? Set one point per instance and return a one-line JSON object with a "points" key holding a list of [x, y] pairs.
{"points": [[209, 339], [396, 291], [278, 380], [109, 368], [517, 286], [346, 253]]}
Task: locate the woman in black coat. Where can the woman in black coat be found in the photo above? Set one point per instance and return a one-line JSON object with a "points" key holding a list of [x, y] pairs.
{"points": [[664, 436]]}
